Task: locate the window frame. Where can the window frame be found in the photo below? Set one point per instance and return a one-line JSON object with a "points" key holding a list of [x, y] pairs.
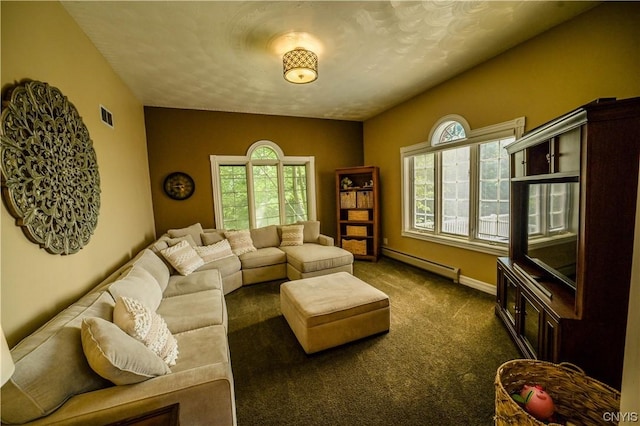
{"points": [[248, 162], [474, 138]]}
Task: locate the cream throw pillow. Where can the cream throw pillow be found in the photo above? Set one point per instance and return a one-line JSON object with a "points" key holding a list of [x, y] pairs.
{"points": [[216, 251], [240, 241], [183, 257], [116, 356], [148, 327], [292, 235]]}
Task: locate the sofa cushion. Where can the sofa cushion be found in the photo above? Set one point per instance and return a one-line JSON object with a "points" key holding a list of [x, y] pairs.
{"points": [[314, 257], [311, 231], [266, 236], [227, 266], [263, 257], [154, 264], [240, 241], [50, 366], [197, 281], [183, 257], [205, 308], [137, 283], [215, 251], [194, 230], [116, 356], [140, 322], [292, 235], [204, 346]]}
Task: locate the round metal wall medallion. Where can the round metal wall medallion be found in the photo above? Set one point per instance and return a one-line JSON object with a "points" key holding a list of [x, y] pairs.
{"points": [[50, 179]]}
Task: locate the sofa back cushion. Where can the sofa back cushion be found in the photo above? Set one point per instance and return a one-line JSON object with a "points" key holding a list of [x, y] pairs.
{"points": [[154, 264], [51, 366], [266, 236], [311, 231], [194, 230], [138, 284]]}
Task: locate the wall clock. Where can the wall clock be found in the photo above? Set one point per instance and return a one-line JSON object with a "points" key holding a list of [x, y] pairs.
{"points": [[179, 186]]}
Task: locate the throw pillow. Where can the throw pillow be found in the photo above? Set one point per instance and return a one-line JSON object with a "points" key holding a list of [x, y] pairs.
{"points": [[292, 235], [212, 237], [183, 257], [216, 251], [140, 322], [116, 356], [139, 284], [311, 230], [194, 230], [240, 241]]}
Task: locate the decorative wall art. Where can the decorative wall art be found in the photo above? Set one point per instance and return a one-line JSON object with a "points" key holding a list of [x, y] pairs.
{"points": [[50, 179]]}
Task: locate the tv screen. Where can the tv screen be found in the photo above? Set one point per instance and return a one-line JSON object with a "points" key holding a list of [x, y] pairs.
{"points": [[552, 228]]}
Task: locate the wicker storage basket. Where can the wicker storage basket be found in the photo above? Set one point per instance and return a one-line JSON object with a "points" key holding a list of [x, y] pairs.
{"points": [[578, 398], [355, 246], [358, 215], [348, 200], [358, 231]]}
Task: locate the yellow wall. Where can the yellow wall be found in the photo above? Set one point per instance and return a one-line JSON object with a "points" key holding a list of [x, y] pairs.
{"points": [[40, 41], [596, 54], [183, 140]]}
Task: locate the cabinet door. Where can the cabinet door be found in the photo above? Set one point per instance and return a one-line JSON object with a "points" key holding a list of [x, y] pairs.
{"points": [[566, 151], [510, 305], [530, 324], [550, 339]]}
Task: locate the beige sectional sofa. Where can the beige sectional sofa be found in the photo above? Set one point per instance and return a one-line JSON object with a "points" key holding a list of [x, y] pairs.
{"points": [[106, 358]]}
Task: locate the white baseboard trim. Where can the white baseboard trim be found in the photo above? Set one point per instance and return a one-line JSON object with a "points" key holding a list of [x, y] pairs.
{"points": [[478, 285], [443, 270]]}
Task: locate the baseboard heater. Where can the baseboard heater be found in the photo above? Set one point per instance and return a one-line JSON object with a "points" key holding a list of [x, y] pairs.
{"points": [[427, 265]]}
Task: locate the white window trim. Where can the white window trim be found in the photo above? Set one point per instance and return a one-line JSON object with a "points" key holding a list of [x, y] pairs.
{"points": [[282, 160], [512, 128]]}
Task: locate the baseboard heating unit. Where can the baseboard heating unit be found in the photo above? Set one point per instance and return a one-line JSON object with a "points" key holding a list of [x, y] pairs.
{"points": [[443, 270]]}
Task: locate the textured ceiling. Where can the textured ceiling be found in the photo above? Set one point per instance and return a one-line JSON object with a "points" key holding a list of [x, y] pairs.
{"points": [[227, 56]]}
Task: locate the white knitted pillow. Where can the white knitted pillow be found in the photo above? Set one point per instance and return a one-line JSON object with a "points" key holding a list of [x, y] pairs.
{"points": [[146, 326], [216, 251], [292, 235], [240, 241], [183, 257]]}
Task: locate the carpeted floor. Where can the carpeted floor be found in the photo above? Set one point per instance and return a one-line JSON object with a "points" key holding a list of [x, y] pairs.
{"points": [[436, 366]]}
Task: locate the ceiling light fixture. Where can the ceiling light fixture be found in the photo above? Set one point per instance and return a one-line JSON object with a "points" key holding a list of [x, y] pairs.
{"points": [[300, 66]]}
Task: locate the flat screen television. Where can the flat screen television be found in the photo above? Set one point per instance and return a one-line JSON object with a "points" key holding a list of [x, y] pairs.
{"points": [[552, 222]]}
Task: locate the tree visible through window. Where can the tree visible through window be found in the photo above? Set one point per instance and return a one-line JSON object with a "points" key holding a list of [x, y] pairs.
{"points": [[456, 186], [263, 188]]}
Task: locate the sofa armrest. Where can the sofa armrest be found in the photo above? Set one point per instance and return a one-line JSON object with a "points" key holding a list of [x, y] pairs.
{"points": [[325, 240]]}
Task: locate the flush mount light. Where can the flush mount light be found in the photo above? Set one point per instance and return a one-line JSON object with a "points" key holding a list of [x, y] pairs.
{"points": [[300, 66]]}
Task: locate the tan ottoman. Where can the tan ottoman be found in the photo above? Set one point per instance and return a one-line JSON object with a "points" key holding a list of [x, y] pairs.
{"points": [[334, 309]]}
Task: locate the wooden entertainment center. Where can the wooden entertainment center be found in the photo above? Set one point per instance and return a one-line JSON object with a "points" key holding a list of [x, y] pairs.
{"points": [[563, 292]]}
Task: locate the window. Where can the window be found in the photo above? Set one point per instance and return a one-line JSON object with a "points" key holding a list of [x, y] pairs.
{"points": [[456, 185], [262, 188]]}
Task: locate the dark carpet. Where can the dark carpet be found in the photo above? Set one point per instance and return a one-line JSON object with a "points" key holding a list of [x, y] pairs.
{"points": [[436, 366]]}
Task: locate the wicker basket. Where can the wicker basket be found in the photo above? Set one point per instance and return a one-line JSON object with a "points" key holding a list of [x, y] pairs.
{"points": [[577, 397], [358, 215], [348, 200], [357, 231], [355, 246]]}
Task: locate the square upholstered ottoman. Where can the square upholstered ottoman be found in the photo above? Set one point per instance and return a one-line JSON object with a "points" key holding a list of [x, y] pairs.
{"points": [[334, 309]]}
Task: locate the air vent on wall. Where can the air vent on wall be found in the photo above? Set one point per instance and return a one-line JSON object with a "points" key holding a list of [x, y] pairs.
{"points": [[106, 116]]}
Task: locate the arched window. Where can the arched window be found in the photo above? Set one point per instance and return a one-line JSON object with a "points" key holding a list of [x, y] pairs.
{"points": [[451, 128], [456, 185], [262, 188]]}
